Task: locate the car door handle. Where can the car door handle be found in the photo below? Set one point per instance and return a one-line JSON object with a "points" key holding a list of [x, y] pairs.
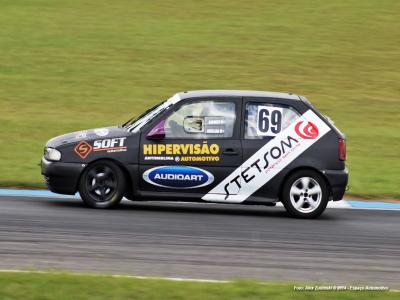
{"points": [[230, 151]]}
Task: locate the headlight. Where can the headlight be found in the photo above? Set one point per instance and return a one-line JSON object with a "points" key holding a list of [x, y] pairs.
{"points": [[52, 154]]}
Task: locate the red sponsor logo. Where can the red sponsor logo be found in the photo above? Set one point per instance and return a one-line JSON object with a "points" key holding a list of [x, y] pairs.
{"points": [[83, 149], [308, 131]]}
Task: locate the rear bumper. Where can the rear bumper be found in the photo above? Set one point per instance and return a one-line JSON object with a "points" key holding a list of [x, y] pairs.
{"points": [[338, 180], [61, 178]]}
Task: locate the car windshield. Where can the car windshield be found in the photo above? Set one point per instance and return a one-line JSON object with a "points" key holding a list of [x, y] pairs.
{"points": [[135, 119], [135, 124]]}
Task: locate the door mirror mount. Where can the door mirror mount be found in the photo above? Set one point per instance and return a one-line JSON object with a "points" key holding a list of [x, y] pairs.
{"points": [[158, 132]]}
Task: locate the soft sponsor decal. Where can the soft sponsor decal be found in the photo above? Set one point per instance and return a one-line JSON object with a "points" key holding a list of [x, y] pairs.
{"points": [[110, 145], [270, 159], [178, 177], [101, 131], [83, 149], [203, 152]]}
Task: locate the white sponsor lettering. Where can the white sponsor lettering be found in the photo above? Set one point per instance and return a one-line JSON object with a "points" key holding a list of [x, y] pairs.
{"points": [[269, 160], [158, 158], [215, 121], [81, 135], [101, 131], [215, 130], [109, 143]]}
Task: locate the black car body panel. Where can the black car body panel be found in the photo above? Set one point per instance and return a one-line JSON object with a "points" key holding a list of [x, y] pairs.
{"points": [[151, 162]]}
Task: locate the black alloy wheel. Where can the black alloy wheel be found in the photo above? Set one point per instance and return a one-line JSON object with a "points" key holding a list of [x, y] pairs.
{"points": [[102, 185]]}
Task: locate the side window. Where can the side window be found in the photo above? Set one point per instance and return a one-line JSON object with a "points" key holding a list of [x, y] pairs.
{"points": [[267, 120], [202, 120]]}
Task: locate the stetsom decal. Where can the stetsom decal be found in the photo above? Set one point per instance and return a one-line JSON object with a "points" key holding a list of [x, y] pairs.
{"points": [[270, 159], [178, 177], [309, 131]]}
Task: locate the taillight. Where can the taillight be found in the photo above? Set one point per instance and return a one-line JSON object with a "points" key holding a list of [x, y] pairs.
{"points": [[342, 149]]}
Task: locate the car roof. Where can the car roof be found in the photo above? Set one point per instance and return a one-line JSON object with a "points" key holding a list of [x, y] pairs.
{"points": [[236, 93]]}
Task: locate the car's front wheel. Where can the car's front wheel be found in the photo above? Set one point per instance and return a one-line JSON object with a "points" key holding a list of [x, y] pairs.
{"points": [[305, 194], [102, 185]]}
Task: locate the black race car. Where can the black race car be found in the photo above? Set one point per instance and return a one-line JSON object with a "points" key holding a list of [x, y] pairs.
{"points": [[243, 147]]}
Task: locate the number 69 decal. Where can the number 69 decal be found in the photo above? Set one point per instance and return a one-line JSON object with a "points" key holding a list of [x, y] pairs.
{"points": [[269, 120]]}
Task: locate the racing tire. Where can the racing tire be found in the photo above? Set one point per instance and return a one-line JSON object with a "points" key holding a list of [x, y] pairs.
{"points": [[305, 194], [102, 185]]}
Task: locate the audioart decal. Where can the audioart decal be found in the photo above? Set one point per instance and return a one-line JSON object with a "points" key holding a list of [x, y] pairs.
{"points": [[270, 159], [203, 152], [178, 177]]}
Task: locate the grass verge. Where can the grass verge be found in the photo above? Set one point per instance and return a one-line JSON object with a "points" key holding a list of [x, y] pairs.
{"points": [[35, 286]]}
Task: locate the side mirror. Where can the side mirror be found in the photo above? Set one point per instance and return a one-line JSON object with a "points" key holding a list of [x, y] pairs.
{"points": [[158, 132]]}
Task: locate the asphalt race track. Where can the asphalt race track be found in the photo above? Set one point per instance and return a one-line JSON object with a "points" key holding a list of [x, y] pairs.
{"points": [[200, 241]]}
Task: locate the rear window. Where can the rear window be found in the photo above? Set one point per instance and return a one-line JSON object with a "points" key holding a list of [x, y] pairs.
{"points": [[263, 120], [330, 121]]}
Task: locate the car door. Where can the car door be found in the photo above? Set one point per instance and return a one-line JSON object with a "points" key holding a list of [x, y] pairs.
{"points": [[198, 147], [264, 119]]}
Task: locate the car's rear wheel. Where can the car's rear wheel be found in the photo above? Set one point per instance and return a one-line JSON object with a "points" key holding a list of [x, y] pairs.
{"points": [[305, 194], [102, 185]]}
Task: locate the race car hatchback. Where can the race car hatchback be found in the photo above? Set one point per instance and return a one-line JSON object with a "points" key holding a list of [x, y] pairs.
{"points": [[220, 146]]}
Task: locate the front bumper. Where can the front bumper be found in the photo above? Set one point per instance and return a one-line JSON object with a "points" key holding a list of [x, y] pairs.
{"points": [[61, 177], [338, 180]]}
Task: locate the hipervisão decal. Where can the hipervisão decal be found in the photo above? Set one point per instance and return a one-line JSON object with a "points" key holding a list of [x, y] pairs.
{"points": [[201, 152], [178, 177], [270, 159]]}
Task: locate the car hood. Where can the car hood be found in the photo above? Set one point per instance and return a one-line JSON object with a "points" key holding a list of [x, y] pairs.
{"points": [[87, 135]]}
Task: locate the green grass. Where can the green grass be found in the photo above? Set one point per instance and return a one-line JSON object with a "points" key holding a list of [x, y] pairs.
{"points": [[27, 286], [67, 65]]}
